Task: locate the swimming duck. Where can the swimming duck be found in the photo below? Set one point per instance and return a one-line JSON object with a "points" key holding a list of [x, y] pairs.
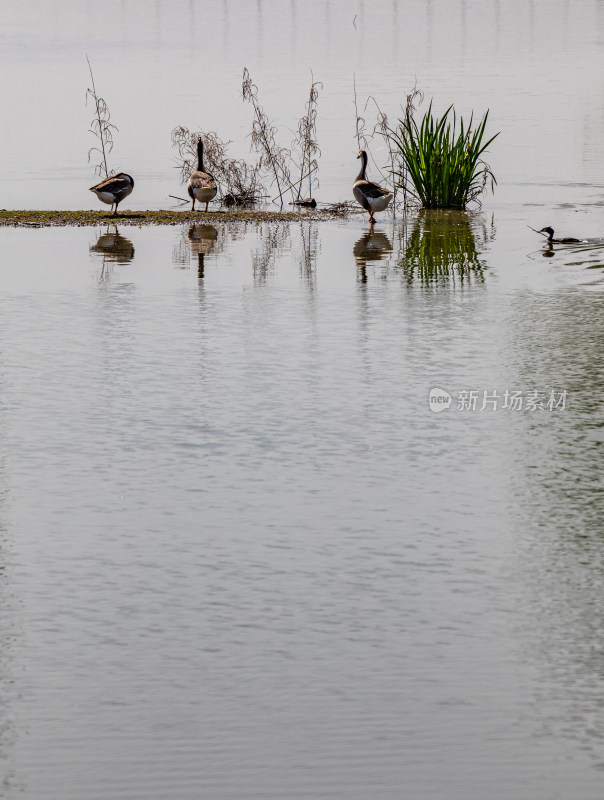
{"points": [[368, 194], [551, 240], [201, 185], [114, 189]]}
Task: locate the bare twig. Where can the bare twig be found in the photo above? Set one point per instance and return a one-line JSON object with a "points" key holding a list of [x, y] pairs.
{"points": [[359, 120], [344, 207], [414, 97], [101, 126], [299, 181], [536, 231], [263, 138], [306, 143], [381, 126]]}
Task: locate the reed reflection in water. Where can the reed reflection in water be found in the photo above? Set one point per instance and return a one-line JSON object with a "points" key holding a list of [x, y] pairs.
{"points": [[442, 246], [271, 242], [309, 252]]}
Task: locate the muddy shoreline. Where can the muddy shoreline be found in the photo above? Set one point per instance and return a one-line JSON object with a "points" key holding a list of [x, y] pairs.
{"points": [[48, 219]]}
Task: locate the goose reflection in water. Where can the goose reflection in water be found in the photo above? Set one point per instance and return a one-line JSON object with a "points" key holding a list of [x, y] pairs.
{"points": [[113, 247], [372, 246], [202, 241]]}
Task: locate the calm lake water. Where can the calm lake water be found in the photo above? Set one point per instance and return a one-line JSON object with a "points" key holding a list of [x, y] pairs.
{"points": [[240, 556]]}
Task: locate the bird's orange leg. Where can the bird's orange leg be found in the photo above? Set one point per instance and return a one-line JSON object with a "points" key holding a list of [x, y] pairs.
{"points": [[207, 205], [193, 206]]}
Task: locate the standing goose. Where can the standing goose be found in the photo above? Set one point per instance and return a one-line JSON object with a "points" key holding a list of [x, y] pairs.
{"points": [[367, 193], [114, 189], [201, 185]]}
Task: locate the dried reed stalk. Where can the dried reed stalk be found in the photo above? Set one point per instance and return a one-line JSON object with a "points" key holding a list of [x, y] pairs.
{"points": [[305, 142], [263, 140], [238, 181], [101, 127]]}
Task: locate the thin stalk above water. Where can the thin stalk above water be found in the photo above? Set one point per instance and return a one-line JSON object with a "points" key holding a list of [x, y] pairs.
{"points": [[101, 127]]}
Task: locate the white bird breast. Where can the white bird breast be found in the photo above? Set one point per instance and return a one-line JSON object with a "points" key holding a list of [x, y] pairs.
{"points": [[204, 195], [106, 197]]}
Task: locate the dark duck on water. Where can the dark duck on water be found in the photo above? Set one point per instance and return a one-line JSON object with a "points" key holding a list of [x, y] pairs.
{"points": [[550, 237]]}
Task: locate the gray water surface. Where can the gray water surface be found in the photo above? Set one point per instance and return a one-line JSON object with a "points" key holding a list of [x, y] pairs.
{"points": [[242, 556]]}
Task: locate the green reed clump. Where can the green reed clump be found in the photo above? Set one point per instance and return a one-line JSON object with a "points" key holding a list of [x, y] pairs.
{"points": [[442, 163]]}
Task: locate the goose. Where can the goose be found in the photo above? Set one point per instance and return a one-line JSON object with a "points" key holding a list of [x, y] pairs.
{"points": [[114, 189], [201, 185], [551, 240], [367, 193]]}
